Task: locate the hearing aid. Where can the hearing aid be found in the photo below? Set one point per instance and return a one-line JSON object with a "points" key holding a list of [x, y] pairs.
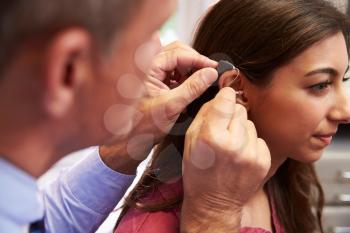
{"points": [[223, 67], [226, 66]]}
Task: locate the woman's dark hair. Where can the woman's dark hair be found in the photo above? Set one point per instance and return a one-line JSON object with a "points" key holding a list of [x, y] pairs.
{"points": [[258, 36]]}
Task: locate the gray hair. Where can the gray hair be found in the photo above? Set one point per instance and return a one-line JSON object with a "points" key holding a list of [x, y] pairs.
{"points": [[24, 19]]}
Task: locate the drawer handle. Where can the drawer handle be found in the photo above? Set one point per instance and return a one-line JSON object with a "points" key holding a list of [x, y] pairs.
{"points": [[343, 199], [344, 176], [340, 230]]}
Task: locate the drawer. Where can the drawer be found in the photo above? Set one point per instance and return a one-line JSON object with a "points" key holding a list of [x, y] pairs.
{"points": [[334, 167], [338, 230], [336, 219], [336, 194]]}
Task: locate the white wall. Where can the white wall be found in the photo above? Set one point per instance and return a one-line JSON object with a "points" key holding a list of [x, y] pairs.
{"points": [[189, 12], [341, 4]]}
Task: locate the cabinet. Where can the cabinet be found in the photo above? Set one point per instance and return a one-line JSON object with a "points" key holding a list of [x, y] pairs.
{"points": [[334, 172]]}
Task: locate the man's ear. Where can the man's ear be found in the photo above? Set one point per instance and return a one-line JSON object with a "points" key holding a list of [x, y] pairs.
{"points": [[236, 80], [66, 66]]}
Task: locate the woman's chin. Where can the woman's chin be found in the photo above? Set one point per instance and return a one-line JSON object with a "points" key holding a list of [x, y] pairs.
{"points": [[309, 156]]}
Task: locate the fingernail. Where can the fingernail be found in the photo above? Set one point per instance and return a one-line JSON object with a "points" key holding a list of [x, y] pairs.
{"points": [[214, 63], [210, 62], [209, 75]]}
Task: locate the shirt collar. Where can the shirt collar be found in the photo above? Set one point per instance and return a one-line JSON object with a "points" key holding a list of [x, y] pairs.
{"points": [[20, 199]]}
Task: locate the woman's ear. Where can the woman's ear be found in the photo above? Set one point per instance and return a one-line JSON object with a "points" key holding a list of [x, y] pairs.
{"points": [[236, 80]]}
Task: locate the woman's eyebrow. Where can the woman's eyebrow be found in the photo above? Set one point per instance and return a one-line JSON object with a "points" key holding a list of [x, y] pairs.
{"points": [[327, 70]]}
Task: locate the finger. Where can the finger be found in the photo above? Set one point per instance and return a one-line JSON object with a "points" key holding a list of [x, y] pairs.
{"points": [[244, 143], [182, 72], [251, 130], [222, 109], [251, 143], [263, 154], [179, 98], [264, 157], [196, 125], [197, 122], [179, 45], [178, 59], [156, 40], [239, 117]]}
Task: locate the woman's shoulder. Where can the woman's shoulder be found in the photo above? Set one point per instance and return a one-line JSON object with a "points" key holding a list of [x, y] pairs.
{"points": [[138, 221], [253, 230]]}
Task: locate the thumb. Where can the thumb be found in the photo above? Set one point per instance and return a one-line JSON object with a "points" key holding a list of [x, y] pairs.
{"points": [[180, 97]]}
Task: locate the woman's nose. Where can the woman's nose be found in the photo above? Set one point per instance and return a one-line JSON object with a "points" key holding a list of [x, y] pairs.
{"points": [[341, 111]]}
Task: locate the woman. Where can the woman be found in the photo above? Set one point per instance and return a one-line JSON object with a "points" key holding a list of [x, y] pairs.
{"points": [[292, 56]]}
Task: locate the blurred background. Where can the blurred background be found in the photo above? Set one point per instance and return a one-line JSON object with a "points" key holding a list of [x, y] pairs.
{"points": [[333, 168]]}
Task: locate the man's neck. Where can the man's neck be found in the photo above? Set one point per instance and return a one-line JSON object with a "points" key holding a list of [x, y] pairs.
{"points": [[29, 150]]}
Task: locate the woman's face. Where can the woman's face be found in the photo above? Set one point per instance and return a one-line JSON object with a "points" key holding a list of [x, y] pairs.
{"points": [[306, 101]]}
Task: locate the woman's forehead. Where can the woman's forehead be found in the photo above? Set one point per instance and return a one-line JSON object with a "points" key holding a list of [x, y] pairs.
{"points": [[330, 52]]}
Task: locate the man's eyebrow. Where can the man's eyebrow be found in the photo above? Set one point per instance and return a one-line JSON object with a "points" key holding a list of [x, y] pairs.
{"points": [[327, 70]]}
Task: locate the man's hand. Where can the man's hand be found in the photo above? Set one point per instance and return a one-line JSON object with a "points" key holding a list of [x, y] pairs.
{"points": [[169, 91], [224, 165]]}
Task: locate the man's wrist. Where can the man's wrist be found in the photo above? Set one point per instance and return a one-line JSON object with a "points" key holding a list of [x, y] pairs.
{"points": [[117, 158], [125, 156]]}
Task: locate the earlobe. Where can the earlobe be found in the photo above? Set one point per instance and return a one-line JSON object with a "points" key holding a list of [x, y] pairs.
{"points": [[64, 70], [242, 99]]}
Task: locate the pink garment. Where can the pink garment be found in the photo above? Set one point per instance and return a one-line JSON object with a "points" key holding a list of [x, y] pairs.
{"points": [[136, 221]]}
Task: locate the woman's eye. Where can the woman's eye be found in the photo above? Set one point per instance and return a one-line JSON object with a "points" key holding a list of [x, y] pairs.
{"points": [[320, 87]]}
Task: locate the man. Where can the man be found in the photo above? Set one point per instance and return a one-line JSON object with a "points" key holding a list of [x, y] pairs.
{"points": [[72, 75]]}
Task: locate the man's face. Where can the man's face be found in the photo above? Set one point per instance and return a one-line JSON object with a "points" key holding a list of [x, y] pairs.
{"points": [[116, 81]]}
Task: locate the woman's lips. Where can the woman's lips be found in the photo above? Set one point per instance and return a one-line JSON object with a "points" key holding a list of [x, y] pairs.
{"points": [[325, 139]]}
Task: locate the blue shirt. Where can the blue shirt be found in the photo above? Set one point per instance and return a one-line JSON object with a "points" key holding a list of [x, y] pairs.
{"points": [[78, 201]]}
